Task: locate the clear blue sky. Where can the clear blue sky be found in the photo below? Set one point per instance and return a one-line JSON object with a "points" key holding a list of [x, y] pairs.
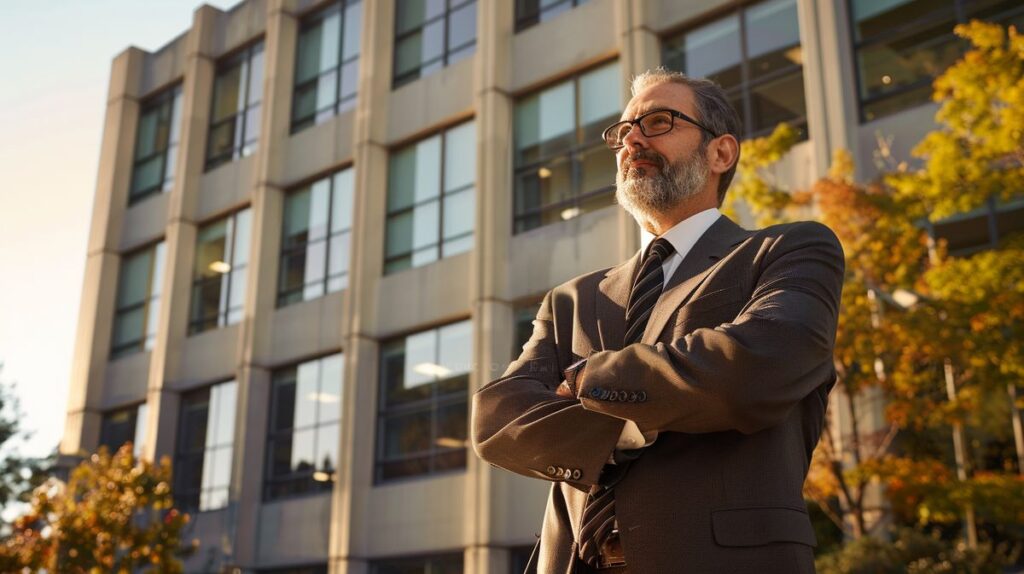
{"points": [[54, 67]]}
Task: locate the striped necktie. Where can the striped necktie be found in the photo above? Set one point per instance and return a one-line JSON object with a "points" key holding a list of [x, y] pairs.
{"points": [[598, 520]]}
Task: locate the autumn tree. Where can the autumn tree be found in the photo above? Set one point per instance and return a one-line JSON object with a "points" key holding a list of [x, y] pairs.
{"points": [[115, 514]]}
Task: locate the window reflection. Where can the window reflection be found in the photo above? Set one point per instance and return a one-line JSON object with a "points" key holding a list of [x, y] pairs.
{"points": [[430, 35], [203, 459], [138, 301], [219, 272], [237, 95], [124, 425], [326, 63], [156, 145]]}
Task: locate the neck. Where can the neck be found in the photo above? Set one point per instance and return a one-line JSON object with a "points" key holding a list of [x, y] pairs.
{"points": [[658, 223]]}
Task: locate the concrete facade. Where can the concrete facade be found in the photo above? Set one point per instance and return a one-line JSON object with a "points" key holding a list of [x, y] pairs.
{"points": [[482, 512]]}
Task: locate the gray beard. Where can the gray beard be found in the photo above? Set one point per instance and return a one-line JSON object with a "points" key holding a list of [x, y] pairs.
{"points": [[644, 195]]}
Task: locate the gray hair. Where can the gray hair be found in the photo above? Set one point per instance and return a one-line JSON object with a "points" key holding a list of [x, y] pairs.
{"points": [[713, 110]]}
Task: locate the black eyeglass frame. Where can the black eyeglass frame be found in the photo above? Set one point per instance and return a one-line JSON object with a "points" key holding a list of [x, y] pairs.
{"points": [[638, 121]]}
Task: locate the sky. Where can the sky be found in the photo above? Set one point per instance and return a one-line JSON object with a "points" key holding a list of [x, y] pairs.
{"points": [[55, 58]]}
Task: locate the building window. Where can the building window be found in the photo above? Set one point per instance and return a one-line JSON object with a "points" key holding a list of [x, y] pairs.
{"points": [[519, 557], [327, 64], [431, 34], [901, 46], [754, 53], [431, 205], [235, 118], [219, 277], [442, 564], [423, 409], [156, 145], [138, 301], [305, 415], [316, 237], [202, 466], [533, 12], [980, 229], [562, 166], [124, 425], [317, 569]]}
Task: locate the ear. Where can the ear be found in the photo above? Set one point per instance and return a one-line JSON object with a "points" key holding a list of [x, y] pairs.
{"points": [[723, 152]]}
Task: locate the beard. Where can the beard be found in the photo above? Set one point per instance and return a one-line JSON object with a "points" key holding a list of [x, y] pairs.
{"points": [[642, 194]]}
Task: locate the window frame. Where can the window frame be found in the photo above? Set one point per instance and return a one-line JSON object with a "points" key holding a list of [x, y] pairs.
{"points": [[312, 486], [285, 298], [432, 404], [170, 96], [409, 76], [959, 14], [746, 87], [133, 410], [308, 21], [242, 57], [575, 154], [223, 316], [126, 349], [471, 187], [179, 455], [528, 20]]}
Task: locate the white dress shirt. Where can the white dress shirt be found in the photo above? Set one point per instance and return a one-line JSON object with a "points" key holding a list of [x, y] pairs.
{"points": [[682, 236]]}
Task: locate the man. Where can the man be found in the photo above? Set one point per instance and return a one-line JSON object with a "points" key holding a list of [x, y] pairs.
{"points": [[675, 399]]}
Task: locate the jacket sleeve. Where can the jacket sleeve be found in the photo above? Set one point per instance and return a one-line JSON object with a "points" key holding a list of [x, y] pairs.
{"points": [[745, 375], [520, 424]]}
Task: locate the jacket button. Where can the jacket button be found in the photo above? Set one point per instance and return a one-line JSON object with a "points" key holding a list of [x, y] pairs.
{"points": [[576, 474], [604, 395], [551, 471], [614, 396], [595, 393], [560, 472], [632, 397], [641, 396]]}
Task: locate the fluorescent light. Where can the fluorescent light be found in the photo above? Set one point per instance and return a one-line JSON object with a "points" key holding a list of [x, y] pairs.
{"points": [[323, 397], [543, 173], [570, 213], [432, 370], [220, 267], [795, 55], [321, 476], [448, 442]]}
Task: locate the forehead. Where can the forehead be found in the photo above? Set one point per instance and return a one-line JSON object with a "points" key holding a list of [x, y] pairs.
{"points": [[667, 95]]}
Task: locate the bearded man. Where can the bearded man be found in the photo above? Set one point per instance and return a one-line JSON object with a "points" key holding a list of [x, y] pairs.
{"points": [[674, 400]]}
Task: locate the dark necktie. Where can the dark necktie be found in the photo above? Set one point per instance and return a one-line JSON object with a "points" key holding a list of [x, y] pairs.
{"points": [[599, 514]]}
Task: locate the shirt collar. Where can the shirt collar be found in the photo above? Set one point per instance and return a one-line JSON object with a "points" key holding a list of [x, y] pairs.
{"points": [[684, 234]]}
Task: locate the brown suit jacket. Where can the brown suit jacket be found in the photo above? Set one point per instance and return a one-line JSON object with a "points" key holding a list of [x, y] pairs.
{"points": [[733, 370]]}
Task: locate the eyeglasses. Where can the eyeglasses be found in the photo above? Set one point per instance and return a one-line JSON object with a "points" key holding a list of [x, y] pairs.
{"points": [[653, 123]]}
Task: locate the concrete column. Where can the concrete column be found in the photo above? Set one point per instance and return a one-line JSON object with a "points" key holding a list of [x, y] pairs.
{"points": [[492, 316], [99, 288], [815, 86], [349, 542], [180, 237], [838, 81], [261, 290]]}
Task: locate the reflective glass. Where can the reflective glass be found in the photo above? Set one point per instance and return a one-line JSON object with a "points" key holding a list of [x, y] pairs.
{"points": [[460, 156], [227, 91], [329, 398], [210, 249], [781, 100], [338, 255], [353, 25], [426, 219], [399, 234], [135, 278], [600, 98], [459, 213], [402, 179], [906, 60], [713, 52], [327, 439], [307, 64], [455, 344], [342, 200], [876, 17], [545, 123], [455, 246], [307, 393], [330, 39], [296, 217], [773, 37], [462, 26]]}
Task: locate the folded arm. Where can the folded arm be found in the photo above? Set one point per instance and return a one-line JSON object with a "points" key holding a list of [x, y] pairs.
{"points": [[745, 375]]}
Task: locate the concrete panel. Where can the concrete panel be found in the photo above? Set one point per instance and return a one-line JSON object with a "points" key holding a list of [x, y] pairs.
{"points": [[238, 26], [517, 508], [164, 66], [144, 222], [308, 328], [423, 295], [664, 16], [420, 515], [126, 380], [547, 256], [207, 357], [318, 148], [294, 531], [428, 101], [225, 187], [209, 528], [576, 38], [905, 130]]}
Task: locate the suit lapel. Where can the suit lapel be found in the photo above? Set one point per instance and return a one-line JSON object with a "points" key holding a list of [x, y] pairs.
{"points": [[715, 244], [611, 300]]}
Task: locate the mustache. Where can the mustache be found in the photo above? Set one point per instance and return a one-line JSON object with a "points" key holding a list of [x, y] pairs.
{"points": [[649, 156]]}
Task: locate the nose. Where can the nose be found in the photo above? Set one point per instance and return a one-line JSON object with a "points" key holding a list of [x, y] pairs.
{"points": [[634, 139]]}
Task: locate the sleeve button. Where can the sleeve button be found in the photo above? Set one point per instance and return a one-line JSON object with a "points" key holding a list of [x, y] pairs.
{"points": [[595, 393], [641, 396], [576, 474], [551, 471]]}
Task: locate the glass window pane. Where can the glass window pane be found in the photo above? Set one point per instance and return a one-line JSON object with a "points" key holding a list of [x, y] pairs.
{"points": [[349, 79], [874, 17], [456, 349], [236, 295], [428, 169], [210, 245], [222, 142], [256, 74], [330, 39], [426, 220], [193, 422], [413, 13], [227, 89], [406, 434], [252, 130], [600, 97], [327, 439], [174, 120], [327, 90], [353, 24], [283, 400], [713, 52], [320, 196], [223, 402], [459, 213], [455, 246], [781, 100], [303, 450], [141, 424], [460, 156], [148, 175], [342, 200], [906, 60], [316, 261], [546, 123], [307, 64], [242, 237], [307, 393], [329, 399], [205, 306], [462, 26], [550, 183], [145, 134], [402, 179], [296, 217], [771, 26], [408, 55], [157, 283], [128, 327], [134, 284], [399, 234], [421, 353], [451, 425], [293, 271], [305, 103], [338, 254], [598, 169]]}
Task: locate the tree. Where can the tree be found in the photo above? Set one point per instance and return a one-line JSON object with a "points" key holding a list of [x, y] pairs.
{"points": [[115, 514], [19, 474]]}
